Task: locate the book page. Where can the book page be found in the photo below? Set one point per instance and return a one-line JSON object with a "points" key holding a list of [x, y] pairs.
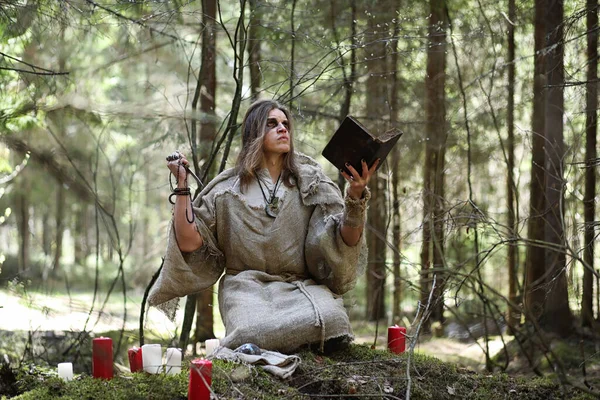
{"points": [[392, 133]]}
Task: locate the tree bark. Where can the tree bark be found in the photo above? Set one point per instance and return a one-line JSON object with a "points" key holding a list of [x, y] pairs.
{"points": [[535, 258], [591, 128], [557, 316], [80, 239], [23, 226], [254, 49], [208, 131], [513, 314], [377, 97], [396, 227], [432, 250], [349, 77], [60, 228], [292, 55]]}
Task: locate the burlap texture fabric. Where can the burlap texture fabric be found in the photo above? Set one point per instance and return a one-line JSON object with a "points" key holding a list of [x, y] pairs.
{"points": [[275, 363], [284, 277]]}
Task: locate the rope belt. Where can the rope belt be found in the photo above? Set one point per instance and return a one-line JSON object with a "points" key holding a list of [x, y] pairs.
{"points": [[319, 321]]}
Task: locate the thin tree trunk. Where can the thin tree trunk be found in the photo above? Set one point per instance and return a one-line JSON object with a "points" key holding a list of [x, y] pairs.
{"points": [[254, 48], [377, 106], [23, 226], [80, 239], [60, 217], [292, 54], [46, 232], [436, 133], [591, 128], [396, 228], [427, 227], [208, 131], [513, 315], [557, 315], [61, 192], [535, 259], [349, 78], [201, 304]]}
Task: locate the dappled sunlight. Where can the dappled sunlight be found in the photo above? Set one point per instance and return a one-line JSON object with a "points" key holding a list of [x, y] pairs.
{"points": [[34, 311]]}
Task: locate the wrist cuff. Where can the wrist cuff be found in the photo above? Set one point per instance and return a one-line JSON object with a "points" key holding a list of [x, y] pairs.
{"points": [[355, 211]]}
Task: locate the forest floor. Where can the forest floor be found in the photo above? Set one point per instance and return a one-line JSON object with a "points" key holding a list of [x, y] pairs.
{"points": [[40, 327], [39, 312]]}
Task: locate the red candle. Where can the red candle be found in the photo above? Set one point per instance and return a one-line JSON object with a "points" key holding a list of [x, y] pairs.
{"points": [[397, 339], [102, 358], [200, 379], [135, 359]]}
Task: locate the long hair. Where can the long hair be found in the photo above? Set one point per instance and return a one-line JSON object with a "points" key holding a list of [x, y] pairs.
{"points": [[254, 128]]}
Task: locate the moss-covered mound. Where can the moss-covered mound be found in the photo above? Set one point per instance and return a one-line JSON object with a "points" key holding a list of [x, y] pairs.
{"points": [[356, 372]]}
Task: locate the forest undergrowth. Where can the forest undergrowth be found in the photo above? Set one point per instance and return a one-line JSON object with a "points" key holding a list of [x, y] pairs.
{"points": [[357, 372]]}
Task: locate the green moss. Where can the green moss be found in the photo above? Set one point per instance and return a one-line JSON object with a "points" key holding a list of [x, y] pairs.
{"points": [[358, 370]]}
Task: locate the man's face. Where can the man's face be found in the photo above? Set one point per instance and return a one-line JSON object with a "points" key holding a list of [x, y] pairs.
{"points": [[277, 139]]}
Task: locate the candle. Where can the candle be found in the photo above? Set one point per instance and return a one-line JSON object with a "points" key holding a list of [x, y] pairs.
{"points": [[135, 359], [102, 358], [200, 380], [173, 361], [211, 346], [65, 371], [396, 339], [152, 358]]}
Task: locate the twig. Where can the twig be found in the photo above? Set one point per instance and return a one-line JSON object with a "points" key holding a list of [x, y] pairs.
{"points": [[415, 337], [145, 298]]}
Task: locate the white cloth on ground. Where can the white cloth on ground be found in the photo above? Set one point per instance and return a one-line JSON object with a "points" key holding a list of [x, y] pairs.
{"points": [[273, 362]]}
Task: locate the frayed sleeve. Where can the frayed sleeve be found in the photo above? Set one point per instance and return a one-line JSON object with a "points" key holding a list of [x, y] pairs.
{"points": [[188, 273], [329, 259]]}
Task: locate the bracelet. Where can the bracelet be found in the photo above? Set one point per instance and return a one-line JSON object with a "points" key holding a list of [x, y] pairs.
{"points": [[179, 192]]}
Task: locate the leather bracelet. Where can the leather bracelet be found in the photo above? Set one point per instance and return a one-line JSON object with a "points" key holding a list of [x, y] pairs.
{"points": [[179, 192]]}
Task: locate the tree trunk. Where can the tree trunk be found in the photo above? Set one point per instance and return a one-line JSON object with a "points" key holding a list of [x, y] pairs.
{"points": [[80, 241], [535, 259], [254, 45], [60, 228], [292, 55], [377, 96], [349, 77], [513, 314], [208, 75], [61, 192], [432, 250], [591, 127], [23, 226], [46, 232], [201, 304], [396, 228], [557, 315]]}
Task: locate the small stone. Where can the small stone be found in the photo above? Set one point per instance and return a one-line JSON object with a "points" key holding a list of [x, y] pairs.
{"points": [[240, 374]]}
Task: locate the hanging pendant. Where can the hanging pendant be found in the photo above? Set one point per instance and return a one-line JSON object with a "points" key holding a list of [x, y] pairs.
{"points": [[272, 208]]}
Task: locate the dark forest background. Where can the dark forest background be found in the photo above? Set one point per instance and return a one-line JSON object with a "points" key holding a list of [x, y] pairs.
{"points": [[483, 216]]}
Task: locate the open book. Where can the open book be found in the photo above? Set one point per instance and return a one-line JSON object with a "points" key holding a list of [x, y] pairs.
{"points": [[352, 143]]}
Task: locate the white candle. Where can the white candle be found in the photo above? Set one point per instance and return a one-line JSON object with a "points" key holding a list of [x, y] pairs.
{"points": [[211, 346], [173, 361], [65, 371], [152, 358]]}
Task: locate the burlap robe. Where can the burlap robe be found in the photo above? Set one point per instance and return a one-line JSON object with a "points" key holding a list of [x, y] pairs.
{"points": [[283, 277]]}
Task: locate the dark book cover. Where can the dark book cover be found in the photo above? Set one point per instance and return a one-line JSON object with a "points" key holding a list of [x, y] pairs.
{"points": [[352, 143]]}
